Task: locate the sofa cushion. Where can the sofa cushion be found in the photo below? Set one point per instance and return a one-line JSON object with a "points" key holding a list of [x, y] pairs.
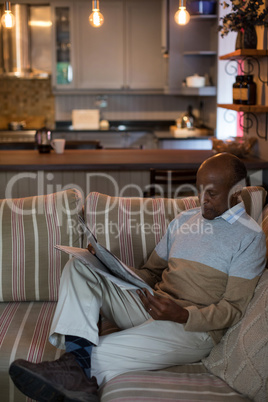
{"points": [[241, 358], [30, 267], [254, 198], [168, 386], [265, 226], [24, 330], [131, 227]]}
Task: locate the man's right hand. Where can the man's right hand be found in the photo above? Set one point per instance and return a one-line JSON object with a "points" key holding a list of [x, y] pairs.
{"points": [[91, 249]]}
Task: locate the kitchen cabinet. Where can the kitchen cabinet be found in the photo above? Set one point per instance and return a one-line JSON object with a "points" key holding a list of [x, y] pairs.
{"points": [[192, 50], [62, 49], [124, 54], [248, 110]]}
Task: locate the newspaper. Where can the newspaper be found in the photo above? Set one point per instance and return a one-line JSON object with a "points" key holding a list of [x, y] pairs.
{"points": [[106, 263]]}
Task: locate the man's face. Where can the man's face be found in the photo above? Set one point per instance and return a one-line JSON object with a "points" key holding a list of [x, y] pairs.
{"points": [[213, 190]]}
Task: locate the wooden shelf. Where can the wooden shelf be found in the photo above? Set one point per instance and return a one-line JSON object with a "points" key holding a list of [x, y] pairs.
{"points": [[186, 91], [203, 17], [245, 53], [200, 53], [245, 108]]}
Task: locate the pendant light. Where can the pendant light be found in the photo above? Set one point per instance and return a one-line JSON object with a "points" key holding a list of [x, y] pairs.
{"points": [[96, 18], [8, 19], [182, 17]]}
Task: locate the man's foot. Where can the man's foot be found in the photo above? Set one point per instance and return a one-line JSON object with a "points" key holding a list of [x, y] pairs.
{"points": [[59, 380]]}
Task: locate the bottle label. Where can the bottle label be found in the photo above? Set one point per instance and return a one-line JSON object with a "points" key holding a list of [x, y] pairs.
{"points": [[236, 93], [244, 94]]}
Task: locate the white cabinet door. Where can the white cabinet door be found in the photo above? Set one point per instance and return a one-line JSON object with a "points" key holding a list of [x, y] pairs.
{"points": [[144, 60], [62, 46], [99, 51], [123, 54]]}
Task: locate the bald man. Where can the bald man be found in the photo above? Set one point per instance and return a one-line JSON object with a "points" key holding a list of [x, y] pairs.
{"points": [[203, 272]]}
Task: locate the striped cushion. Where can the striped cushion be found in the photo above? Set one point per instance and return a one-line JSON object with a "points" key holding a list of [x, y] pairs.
{"points": [[131, 227], [24, 330], [146, 386], [241, 358], [254, 198], [30, 267], [265, 226]]}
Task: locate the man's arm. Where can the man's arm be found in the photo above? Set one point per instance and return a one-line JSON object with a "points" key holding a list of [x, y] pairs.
{"points": [[161, 308], [151, 271], [245, 271], [249, 264]]}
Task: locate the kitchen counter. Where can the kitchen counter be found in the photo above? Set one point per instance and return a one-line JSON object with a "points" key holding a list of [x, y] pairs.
{"points": [[183, 138], [103, 159], [119, 125], [120, 134], [183, 133]]}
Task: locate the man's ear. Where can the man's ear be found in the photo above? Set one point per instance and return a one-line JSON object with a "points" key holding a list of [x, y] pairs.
{"points": [[235, 196]]}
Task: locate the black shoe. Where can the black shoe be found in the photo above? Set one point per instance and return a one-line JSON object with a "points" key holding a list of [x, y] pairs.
{"points": [[56, 381]]}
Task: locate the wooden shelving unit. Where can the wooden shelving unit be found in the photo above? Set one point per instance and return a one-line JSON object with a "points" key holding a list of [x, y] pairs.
{"points": [[250, 111], [200, 53], [244, 108], [240, 53]]}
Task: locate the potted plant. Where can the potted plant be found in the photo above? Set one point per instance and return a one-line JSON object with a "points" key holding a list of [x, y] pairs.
{"points": [[245, 16]]}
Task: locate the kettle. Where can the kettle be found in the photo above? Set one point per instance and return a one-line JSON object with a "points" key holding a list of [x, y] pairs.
{"points": [[188, 120], [43, 139]]}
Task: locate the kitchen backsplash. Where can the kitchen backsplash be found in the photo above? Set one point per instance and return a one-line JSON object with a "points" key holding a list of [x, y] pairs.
{"points": [[24, 98], [33, 98], [135, 107]]}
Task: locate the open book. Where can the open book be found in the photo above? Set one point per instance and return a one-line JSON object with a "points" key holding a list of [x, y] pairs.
{"points": [[105, 263]]}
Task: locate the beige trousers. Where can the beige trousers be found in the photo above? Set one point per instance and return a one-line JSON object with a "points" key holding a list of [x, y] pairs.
{"points": [[142, 343]]}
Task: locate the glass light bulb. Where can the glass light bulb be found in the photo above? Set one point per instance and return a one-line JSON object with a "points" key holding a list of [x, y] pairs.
{"points": [[8, 19], [96, 18], [182, 17]]}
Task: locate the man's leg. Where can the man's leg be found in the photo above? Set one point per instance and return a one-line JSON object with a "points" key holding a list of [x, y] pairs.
{"points": [[149, 346], [83, 293]]}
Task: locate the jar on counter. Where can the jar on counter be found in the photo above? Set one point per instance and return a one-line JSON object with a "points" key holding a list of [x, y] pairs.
{"points": [[248, 91], [237, 86]]}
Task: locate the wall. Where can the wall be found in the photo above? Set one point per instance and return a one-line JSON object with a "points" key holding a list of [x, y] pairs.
{"points": [[134, 107], [24, 98], [226, 119], [228, 122], [259, 125]]}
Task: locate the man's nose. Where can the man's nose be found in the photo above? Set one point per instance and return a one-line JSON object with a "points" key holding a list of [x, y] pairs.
{"points": [[203, 197]]}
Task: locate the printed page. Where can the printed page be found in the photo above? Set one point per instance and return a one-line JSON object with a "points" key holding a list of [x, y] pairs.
{"points": [[119, 276], [117, 266]]}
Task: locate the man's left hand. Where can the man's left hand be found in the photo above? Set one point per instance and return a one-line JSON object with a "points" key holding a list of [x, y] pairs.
{"points": [[161, 308]]}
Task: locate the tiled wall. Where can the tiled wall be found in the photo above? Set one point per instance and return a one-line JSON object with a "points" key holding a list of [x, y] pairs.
{"points": [[137, 107], [21, 98]]}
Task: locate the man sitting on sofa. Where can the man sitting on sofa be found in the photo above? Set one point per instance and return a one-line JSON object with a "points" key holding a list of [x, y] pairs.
{"points": [[203, 272]]}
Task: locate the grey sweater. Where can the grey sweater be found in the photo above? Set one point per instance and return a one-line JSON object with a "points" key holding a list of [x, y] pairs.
{"points": [[210, 267]]}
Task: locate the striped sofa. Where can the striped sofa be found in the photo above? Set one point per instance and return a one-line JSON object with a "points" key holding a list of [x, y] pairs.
{"points": [[30, 270]]}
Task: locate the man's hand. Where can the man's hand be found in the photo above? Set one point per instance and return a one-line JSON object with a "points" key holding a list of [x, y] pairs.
{"points": [[91, 248], [161, 308]]}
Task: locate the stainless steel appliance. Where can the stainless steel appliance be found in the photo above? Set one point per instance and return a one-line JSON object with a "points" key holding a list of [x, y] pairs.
{"points": [[43, 139], [25, 48], [19, 139]]}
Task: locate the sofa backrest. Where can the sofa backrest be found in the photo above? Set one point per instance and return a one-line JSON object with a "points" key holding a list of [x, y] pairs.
{"points": [[30, 266], [131, 227]]}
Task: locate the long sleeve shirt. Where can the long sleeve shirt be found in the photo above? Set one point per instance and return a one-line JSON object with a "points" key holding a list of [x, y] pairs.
{"points": [[209, 267]]}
